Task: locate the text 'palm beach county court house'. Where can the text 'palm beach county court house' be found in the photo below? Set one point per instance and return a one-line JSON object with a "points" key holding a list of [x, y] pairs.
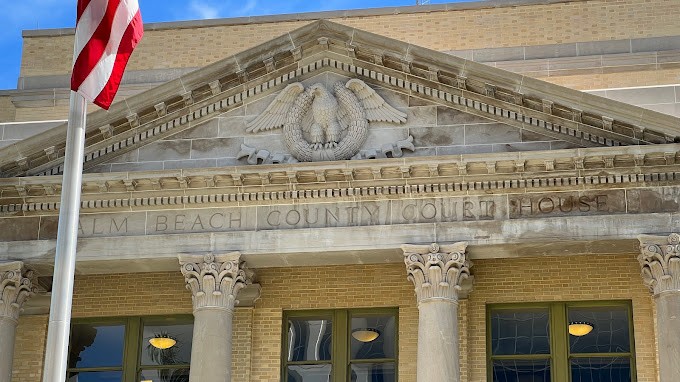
{"points": [[267, 193]]}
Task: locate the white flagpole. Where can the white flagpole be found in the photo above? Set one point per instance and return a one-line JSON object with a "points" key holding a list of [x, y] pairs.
{"points": [[56, 350]]}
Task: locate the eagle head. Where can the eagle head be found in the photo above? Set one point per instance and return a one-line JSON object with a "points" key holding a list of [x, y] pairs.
{"points": [[318, 89]]}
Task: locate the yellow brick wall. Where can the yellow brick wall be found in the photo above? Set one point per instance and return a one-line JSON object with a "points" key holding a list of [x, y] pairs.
{"points": [[131, 294], [564, 278], [29, 348], [565, 22], [257, 331], [7, 110]]}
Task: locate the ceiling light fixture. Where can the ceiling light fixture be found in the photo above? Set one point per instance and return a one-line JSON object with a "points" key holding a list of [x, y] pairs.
{"points": [[162, 342], [365, 334], [580, 328]]}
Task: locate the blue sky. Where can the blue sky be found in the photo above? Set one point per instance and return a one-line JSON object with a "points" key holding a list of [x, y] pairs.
{"points": [[18, 15]]}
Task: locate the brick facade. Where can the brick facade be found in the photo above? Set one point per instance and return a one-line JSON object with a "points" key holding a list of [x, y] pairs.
{"points": [[7, 109], [257, 331], [570, 21], [29, 348]]}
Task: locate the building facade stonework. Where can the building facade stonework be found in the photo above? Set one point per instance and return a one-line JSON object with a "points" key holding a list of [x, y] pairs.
{"points": [[428, 193]]}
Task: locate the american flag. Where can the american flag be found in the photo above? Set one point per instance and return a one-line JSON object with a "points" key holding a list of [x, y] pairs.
{"points": [[107, 31]]}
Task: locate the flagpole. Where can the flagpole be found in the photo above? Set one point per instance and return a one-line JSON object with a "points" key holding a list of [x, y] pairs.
{"points": [[56, 350]]}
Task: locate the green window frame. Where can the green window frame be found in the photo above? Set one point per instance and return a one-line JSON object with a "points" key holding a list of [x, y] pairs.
{"points": [[133, 344], [559, 338], [340, 361]]}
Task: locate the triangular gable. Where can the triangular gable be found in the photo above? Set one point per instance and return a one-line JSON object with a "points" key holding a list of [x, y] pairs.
{"points": [[560, 113]]}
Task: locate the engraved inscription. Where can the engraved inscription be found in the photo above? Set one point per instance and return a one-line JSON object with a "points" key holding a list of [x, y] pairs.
{"points": [[103, 226], [196, 221], [380, 213], [447, 210], [563, 204], [352, 214]]}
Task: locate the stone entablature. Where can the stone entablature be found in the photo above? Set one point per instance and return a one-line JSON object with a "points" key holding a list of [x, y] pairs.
{"points": [[414, 208], [533, 105], [504, 173]]}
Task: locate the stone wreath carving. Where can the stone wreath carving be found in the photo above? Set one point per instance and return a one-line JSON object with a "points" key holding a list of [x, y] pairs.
{"points": [[322, 126]]}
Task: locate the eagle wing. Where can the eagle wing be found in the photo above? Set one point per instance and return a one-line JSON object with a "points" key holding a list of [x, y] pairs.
{"points": [[274, 116], [375, 106]]}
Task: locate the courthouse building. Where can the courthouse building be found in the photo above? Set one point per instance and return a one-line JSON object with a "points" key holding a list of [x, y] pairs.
{"points": [[485, 191]]}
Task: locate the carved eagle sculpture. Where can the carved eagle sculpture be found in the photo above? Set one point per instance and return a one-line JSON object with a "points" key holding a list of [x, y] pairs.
{"points": [[320, 125]]}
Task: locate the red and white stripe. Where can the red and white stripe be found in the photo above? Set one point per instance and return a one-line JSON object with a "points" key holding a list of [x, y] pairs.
{"points": [[107, 31]]}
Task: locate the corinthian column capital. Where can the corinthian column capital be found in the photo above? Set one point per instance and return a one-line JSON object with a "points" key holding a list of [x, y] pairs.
{"points": [[437, 271], [215, 280], [15, 288], [660, 262]]}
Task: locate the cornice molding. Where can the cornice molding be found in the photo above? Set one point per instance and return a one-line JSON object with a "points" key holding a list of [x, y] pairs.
{"points": [[500, 173], [451, 81]]}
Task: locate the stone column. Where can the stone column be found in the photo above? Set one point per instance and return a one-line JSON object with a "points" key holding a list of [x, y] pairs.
{"points": [[438, 274], [660, 262], [15, 288], [214, 281]]}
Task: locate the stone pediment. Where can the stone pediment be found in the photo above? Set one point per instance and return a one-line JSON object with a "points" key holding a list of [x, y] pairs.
{"points": [[263, 73]]}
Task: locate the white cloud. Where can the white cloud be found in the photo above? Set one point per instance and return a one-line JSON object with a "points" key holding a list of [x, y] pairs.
{"points": [[211, 9], [203, 10], [248, 7]]}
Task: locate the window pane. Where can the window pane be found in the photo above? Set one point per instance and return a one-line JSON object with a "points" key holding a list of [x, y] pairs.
{"points": [[96, 345], [309, 340], [96, 376], [309, 373], [610, 332], [373, 372], [600, 370], [158, 348], [520, 331], [165, 375], [521, 370], [373, 337]]}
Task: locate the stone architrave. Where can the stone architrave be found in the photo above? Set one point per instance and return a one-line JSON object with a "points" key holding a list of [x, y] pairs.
{"points": [[15, 288], [660, 261], [214, 282], [439, 274]]}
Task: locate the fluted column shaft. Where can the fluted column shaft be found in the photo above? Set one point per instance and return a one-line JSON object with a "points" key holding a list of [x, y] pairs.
{"points": [[660, 262], [15, 288], [214, 281], [437, 273]]}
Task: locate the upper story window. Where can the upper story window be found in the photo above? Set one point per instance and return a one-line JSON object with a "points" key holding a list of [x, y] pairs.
{"points": [[578, 342], [340, 345], [147, 349]]}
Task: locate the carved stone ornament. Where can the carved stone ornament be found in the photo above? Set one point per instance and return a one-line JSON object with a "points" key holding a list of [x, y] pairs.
{"points": [[660, 264], [214, 280], [15, 288], [320, 125], [438, 271]]}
